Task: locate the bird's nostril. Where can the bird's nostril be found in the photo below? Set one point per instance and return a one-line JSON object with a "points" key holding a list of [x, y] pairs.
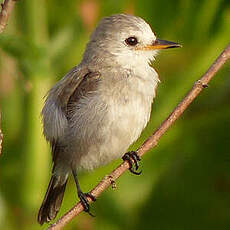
{"points": [[156, 42]]}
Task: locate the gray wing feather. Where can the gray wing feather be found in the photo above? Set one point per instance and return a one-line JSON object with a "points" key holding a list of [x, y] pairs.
{"points": [[54, 112]]}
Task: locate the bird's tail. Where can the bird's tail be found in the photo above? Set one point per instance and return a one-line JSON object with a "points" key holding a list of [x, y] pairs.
{"points": [[53, 199]]}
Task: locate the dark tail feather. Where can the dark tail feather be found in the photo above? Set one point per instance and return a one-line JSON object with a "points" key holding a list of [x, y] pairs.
{"points": [[52, 201]]}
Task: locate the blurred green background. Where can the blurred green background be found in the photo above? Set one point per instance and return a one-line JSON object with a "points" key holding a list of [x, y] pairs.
{"points": [[186, 180]]}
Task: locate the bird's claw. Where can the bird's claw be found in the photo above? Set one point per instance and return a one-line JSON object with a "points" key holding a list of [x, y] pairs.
{"points": [[133, 159], [83, 198]]}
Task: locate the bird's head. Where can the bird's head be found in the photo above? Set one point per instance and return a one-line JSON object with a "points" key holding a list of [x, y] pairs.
{"points": [[124, 40]]}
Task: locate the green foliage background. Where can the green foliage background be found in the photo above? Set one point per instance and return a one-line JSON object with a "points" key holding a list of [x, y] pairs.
{"points": [[186, 180]]}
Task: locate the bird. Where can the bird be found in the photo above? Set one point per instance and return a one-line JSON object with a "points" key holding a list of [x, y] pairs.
{"points": [[98, 109]]}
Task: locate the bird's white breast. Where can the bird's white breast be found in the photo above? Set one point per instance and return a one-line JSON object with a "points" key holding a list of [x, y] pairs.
{"points": [[129, 111], [128, 103]]}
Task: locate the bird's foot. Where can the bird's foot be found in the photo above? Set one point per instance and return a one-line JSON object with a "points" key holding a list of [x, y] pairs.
{"points": [[133, 159], [83, 198]]}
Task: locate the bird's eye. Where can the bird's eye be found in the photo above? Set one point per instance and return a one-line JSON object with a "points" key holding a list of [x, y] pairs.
{"points": [[131, 41]]}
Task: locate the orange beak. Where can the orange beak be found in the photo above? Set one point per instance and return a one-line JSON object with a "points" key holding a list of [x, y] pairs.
{"points": [[161, 44]]}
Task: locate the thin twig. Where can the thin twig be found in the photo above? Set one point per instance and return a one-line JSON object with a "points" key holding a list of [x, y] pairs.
{"points": [[152, 141], [7, 8], [1, 134]]}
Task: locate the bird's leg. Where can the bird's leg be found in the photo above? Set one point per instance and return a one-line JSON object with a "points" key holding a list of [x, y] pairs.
{"points": [[83, 196], [133, 159]]}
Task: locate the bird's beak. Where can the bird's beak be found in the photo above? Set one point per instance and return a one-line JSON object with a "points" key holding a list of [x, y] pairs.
{"points": [[161, 44]]}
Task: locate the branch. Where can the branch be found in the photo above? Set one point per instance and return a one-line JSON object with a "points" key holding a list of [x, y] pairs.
{"points": [[1, 134], [7, 8], [152, 141]]}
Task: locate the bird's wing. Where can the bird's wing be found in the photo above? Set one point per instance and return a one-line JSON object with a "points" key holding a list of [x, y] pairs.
{"points": [[54, 112], [87, 85], [63, 90], [74, 85]]}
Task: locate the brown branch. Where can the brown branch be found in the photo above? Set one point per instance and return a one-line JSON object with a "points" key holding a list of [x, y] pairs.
{"points": [[151, 141], [1, 134], [7, 8]]}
